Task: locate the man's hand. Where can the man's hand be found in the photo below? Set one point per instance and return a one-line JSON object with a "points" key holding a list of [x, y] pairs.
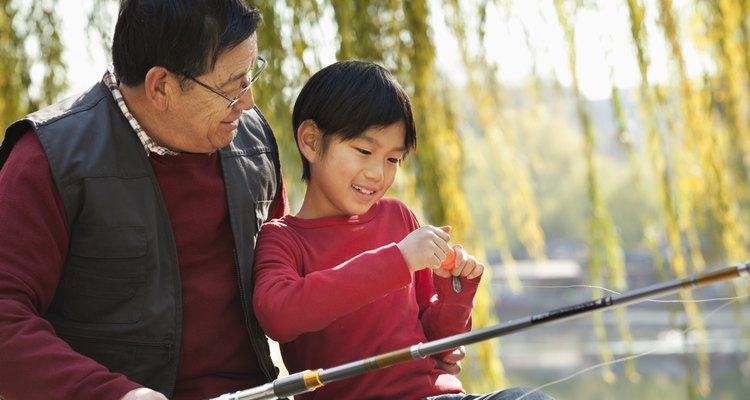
{"points": [[451, 362], [145, 394]]}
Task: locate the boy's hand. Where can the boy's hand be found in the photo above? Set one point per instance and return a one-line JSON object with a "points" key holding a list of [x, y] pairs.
{"points": [[464, 265], [450, 362], [425, 247]]}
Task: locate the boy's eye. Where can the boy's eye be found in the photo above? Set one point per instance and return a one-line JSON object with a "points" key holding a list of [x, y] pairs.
{"points": [[394, 160], [363, 151]]}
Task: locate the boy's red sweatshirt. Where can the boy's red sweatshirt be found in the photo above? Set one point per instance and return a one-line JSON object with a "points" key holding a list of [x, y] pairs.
{"points": [[337, 289]]}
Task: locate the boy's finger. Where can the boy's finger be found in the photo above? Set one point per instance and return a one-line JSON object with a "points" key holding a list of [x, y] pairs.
{"points": [[441, 241], [476, 271], [454, 356], [460, 260], [443, 232]]}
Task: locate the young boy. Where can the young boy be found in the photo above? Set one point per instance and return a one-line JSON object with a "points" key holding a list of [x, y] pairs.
{"points": [[353, 274]]}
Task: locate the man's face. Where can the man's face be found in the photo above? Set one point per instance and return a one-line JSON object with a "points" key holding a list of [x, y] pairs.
{"points": [[200, 120]]}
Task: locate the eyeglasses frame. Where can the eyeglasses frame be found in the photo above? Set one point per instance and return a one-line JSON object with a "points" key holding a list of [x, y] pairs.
{"points": [[242, 92]]}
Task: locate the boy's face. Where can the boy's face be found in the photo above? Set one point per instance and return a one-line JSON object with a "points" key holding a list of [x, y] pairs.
{"points": [[350, 176]]}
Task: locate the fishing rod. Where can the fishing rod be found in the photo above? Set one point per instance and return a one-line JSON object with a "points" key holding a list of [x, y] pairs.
{"points": [[307, 381]]}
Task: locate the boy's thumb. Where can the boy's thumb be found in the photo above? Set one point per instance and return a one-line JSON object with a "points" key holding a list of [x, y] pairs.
{"points": [[446, 228]]}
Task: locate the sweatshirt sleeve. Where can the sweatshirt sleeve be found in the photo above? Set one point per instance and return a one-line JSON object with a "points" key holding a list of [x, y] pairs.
{"points": [[35, 363], [442, 311], [314, 301]]}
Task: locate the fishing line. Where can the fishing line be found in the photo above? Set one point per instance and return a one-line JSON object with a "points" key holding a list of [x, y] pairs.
{"points": [[649, 300], [570, 287], [630, 357], [700, 300]]}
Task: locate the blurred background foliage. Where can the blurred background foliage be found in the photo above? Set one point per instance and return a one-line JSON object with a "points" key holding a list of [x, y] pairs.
{"points": [[627, 131]]}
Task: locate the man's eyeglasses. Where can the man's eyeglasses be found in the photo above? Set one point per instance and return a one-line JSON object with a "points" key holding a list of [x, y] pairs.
{"points": [[260, 65]]}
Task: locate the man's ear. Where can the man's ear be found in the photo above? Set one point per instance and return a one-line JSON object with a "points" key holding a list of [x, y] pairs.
{"points": [[309, 139], [159, 85]]}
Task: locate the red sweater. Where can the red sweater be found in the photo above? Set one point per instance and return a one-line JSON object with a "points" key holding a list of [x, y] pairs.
{"points": [[216, 355], [336, 289]]}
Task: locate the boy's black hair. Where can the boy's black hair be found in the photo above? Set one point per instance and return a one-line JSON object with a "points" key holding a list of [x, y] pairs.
{"points": [[184, 36], [347, 98]]}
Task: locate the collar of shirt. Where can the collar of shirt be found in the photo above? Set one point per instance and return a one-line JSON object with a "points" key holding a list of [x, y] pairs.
{"points": [[149, 145]]}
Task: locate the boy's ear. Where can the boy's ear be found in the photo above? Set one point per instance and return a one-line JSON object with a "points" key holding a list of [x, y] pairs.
{"points": [[309, 139], [157, 85]]}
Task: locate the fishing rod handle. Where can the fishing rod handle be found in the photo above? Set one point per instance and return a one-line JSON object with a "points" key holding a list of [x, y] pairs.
{"points": [[300, 382]]}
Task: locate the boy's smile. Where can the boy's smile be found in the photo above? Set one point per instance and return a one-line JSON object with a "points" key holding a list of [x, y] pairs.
{"points": [[348, 177], [364, 191]]}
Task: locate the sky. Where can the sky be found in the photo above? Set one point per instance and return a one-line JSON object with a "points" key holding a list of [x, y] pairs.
{"points": [[86, 61]]}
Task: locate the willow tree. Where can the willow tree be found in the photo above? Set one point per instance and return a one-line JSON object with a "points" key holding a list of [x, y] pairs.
{"points": [[603, 246], [30, 47], [696, 132], [695, 127], [701, 156]]}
